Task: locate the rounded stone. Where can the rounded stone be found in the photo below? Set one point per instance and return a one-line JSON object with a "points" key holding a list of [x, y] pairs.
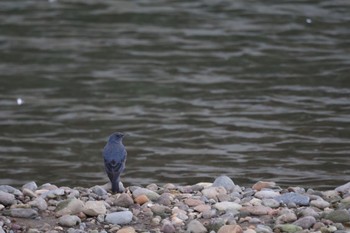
{"points": [[124, 200], [230, 229], [23, 213], [69, 206], [264, 194], [153, 196], [193, 202], [225, 182], [40, 203], [127, 230], [7, 198], [119, 218], [295, 198], [69, 220], [339, 216], [99, 191], [196, 226], [142, 199], [288, 228], [305, 222], [257, 210], [94, 208], [31, 186], [227, 206], [320, 203], [167, 227]]}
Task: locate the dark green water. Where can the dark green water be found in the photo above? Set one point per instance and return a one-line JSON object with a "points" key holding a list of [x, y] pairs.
{"points": [[255, 90]]}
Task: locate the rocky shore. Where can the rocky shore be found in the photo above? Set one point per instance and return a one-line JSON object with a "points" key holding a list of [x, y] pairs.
{"points": [[220, 207]]}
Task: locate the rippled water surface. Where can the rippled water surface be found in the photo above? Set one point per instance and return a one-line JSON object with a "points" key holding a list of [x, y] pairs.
{"points": [[257, 90]]}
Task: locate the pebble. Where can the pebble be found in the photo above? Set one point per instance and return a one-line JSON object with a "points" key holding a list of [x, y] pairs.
{"points": [[153, 196], [270, 203], [340, 216], [23, 213], [227, 206], [142, 199], [7, 198], [344, 188], [257, 210], [202, 208], [168, 227], [29, 193], [99, 191], [119, 218], [124, 200], [53, 193], [127, 230], [69, 220], [196, 226], [94, 208], [213, 192], [69, 206], [225, 182], [32, 186], [193, 202], [305, 222], [295, 198], [289, 228], [319, 203], [165, 199], [40, 203], [10, 189], [230, 229], [264, 194]]}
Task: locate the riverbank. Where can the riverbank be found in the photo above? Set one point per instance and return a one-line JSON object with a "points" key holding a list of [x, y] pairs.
{"points": [[220, 207]]}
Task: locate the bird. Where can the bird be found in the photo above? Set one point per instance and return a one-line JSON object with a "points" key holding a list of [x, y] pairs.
{"points": [[114, 154]]}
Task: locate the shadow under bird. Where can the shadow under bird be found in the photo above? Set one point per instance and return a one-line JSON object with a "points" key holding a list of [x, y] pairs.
{"points": [[114, 154]]}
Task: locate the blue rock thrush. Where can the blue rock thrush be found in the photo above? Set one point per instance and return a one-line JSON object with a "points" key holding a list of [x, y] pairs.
{"points": [[114, 155]]}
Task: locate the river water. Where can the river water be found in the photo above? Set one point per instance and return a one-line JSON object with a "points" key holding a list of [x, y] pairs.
{"points": [[256, 90]]}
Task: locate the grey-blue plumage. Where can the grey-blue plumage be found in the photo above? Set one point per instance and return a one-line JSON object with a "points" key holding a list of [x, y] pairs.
{"points": [[114, 155]]}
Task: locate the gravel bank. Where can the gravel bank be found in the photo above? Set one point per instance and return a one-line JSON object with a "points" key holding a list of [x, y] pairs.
{"points": [[220, 207]]}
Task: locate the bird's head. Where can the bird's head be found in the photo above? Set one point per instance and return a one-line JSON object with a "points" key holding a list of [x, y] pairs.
{"points": [[116, 137]]}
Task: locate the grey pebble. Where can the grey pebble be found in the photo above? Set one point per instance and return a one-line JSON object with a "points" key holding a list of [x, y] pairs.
{"points": [[69, 220], [23, 213], [124, 200], [196, 226], [122, 217], [339, 216], [305, 222], [31, 186], [98, 190], [225, 182], [10, 189], [295, 198], [153, 196], [7, 198]]}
